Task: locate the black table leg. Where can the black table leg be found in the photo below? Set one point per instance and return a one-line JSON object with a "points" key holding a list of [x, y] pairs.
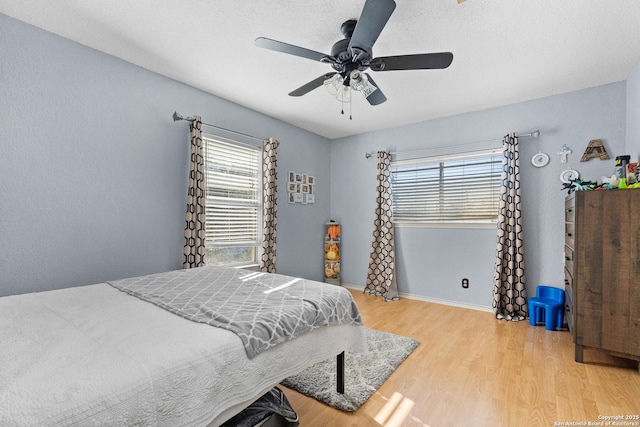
{"points": [[340, 373]]}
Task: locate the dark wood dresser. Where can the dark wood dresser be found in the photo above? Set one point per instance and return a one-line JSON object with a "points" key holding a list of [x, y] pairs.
{"points": [[602, 271]]}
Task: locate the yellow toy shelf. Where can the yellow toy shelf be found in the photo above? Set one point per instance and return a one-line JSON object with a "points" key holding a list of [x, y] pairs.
{"points": [[332, 235]]}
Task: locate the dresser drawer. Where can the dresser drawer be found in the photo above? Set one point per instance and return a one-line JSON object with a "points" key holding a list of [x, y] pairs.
{"points": [[569, 234], [568, 299], [568, 312], [568, 277], [570, 208], [568, 296], [568, 259], [569, 214], [570, 201]]}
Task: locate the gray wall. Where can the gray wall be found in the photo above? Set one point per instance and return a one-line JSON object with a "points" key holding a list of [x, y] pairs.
{"points": [[633, 113], [93, 174], [93, 170], [432, 262]]}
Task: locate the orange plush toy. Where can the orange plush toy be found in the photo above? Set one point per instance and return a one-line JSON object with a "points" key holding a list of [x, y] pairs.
{"points": [[334, 231]]}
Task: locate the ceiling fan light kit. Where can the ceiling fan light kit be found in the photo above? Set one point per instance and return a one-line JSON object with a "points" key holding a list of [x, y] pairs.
{"points": [[360, 82], [353, 55], [341, 87], [336, 87]]}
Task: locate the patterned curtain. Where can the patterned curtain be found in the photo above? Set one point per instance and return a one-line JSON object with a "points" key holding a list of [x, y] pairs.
{"points": [[270, 208], [193, 255], [509, 292], [381, 277]]}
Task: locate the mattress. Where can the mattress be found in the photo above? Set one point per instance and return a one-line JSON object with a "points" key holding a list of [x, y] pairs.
{"points": [[94, 355]]}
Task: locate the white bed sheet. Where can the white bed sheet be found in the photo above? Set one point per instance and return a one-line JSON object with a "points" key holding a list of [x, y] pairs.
{"points": [[93, 355]]}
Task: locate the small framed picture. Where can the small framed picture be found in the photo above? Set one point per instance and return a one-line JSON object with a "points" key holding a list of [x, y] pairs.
{"points": [[300, 188]]}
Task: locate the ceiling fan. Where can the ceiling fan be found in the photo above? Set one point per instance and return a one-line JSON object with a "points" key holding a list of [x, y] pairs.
{"points": [[351, 56]]}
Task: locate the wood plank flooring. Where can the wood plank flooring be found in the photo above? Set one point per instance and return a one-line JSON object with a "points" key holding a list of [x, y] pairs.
{"points": [[473, 370]]}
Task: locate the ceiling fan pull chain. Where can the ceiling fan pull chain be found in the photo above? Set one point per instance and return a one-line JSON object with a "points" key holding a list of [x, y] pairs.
{"points": [[350, 103]]}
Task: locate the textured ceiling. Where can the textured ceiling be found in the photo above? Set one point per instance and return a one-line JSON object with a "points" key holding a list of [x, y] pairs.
{"points": [[505, 51]]}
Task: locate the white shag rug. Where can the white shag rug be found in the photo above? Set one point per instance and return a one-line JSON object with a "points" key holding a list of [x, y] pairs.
{"points": [[364, 373]]}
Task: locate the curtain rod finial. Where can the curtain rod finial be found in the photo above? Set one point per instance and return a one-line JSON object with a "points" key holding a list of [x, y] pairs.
{"points": [[176, 116]]}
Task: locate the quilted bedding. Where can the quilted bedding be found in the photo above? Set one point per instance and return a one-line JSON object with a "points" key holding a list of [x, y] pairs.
{"points": [[93, 355], [263, 309]]}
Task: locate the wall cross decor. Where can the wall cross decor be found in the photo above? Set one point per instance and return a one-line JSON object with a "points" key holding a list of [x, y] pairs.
{"points": [[564, 153]]}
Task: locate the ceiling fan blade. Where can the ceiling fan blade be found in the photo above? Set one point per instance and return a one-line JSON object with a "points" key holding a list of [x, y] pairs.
{"points": [[315, 83], [423, 61], [290, 49], [373, 18], [377, 97]]}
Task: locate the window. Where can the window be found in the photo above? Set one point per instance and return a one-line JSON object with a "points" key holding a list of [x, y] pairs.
{"points": [[457, 189], [234, 202]]}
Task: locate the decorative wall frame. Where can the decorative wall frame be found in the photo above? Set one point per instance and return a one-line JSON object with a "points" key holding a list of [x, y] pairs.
{"points": [[301, 188], [568, 175], [539, 160]]}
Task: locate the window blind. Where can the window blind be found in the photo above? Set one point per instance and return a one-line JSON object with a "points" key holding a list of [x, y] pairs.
{"points": [[233, 195], [461, 188]]}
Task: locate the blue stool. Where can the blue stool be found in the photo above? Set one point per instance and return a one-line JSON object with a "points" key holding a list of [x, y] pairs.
{"points": [[547, 307]]}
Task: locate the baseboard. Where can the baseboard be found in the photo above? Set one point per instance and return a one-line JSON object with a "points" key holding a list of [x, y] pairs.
{"points": [[432, 300]]}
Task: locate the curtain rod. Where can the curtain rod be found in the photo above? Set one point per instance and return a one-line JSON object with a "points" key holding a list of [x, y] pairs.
{"points": [[177, 117], [534, 134]]}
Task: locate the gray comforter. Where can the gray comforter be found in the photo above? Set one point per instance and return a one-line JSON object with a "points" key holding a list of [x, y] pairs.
{"points": [[263, 309]]}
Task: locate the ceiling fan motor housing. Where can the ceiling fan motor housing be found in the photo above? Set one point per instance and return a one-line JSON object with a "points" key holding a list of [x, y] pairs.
{"points": [[345, 53], [347, 28], [345, 61], [340, 50]]}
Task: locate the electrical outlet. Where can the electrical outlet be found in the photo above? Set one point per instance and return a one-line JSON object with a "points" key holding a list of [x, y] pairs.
{"points": [[465, 283]]}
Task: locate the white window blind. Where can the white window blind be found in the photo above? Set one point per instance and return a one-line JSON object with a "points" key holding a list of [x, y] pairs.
{"points": [[463, 188], [234, 202]]}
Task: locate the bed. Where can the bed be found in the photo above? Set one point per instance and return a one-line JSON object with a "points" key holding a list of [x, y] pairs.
{"points": [[121, 353]]}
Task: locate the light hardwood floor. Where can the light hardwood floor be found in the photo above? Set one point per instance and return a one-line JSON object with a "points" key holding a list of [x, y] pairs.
{"points": [[473, 370]]}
